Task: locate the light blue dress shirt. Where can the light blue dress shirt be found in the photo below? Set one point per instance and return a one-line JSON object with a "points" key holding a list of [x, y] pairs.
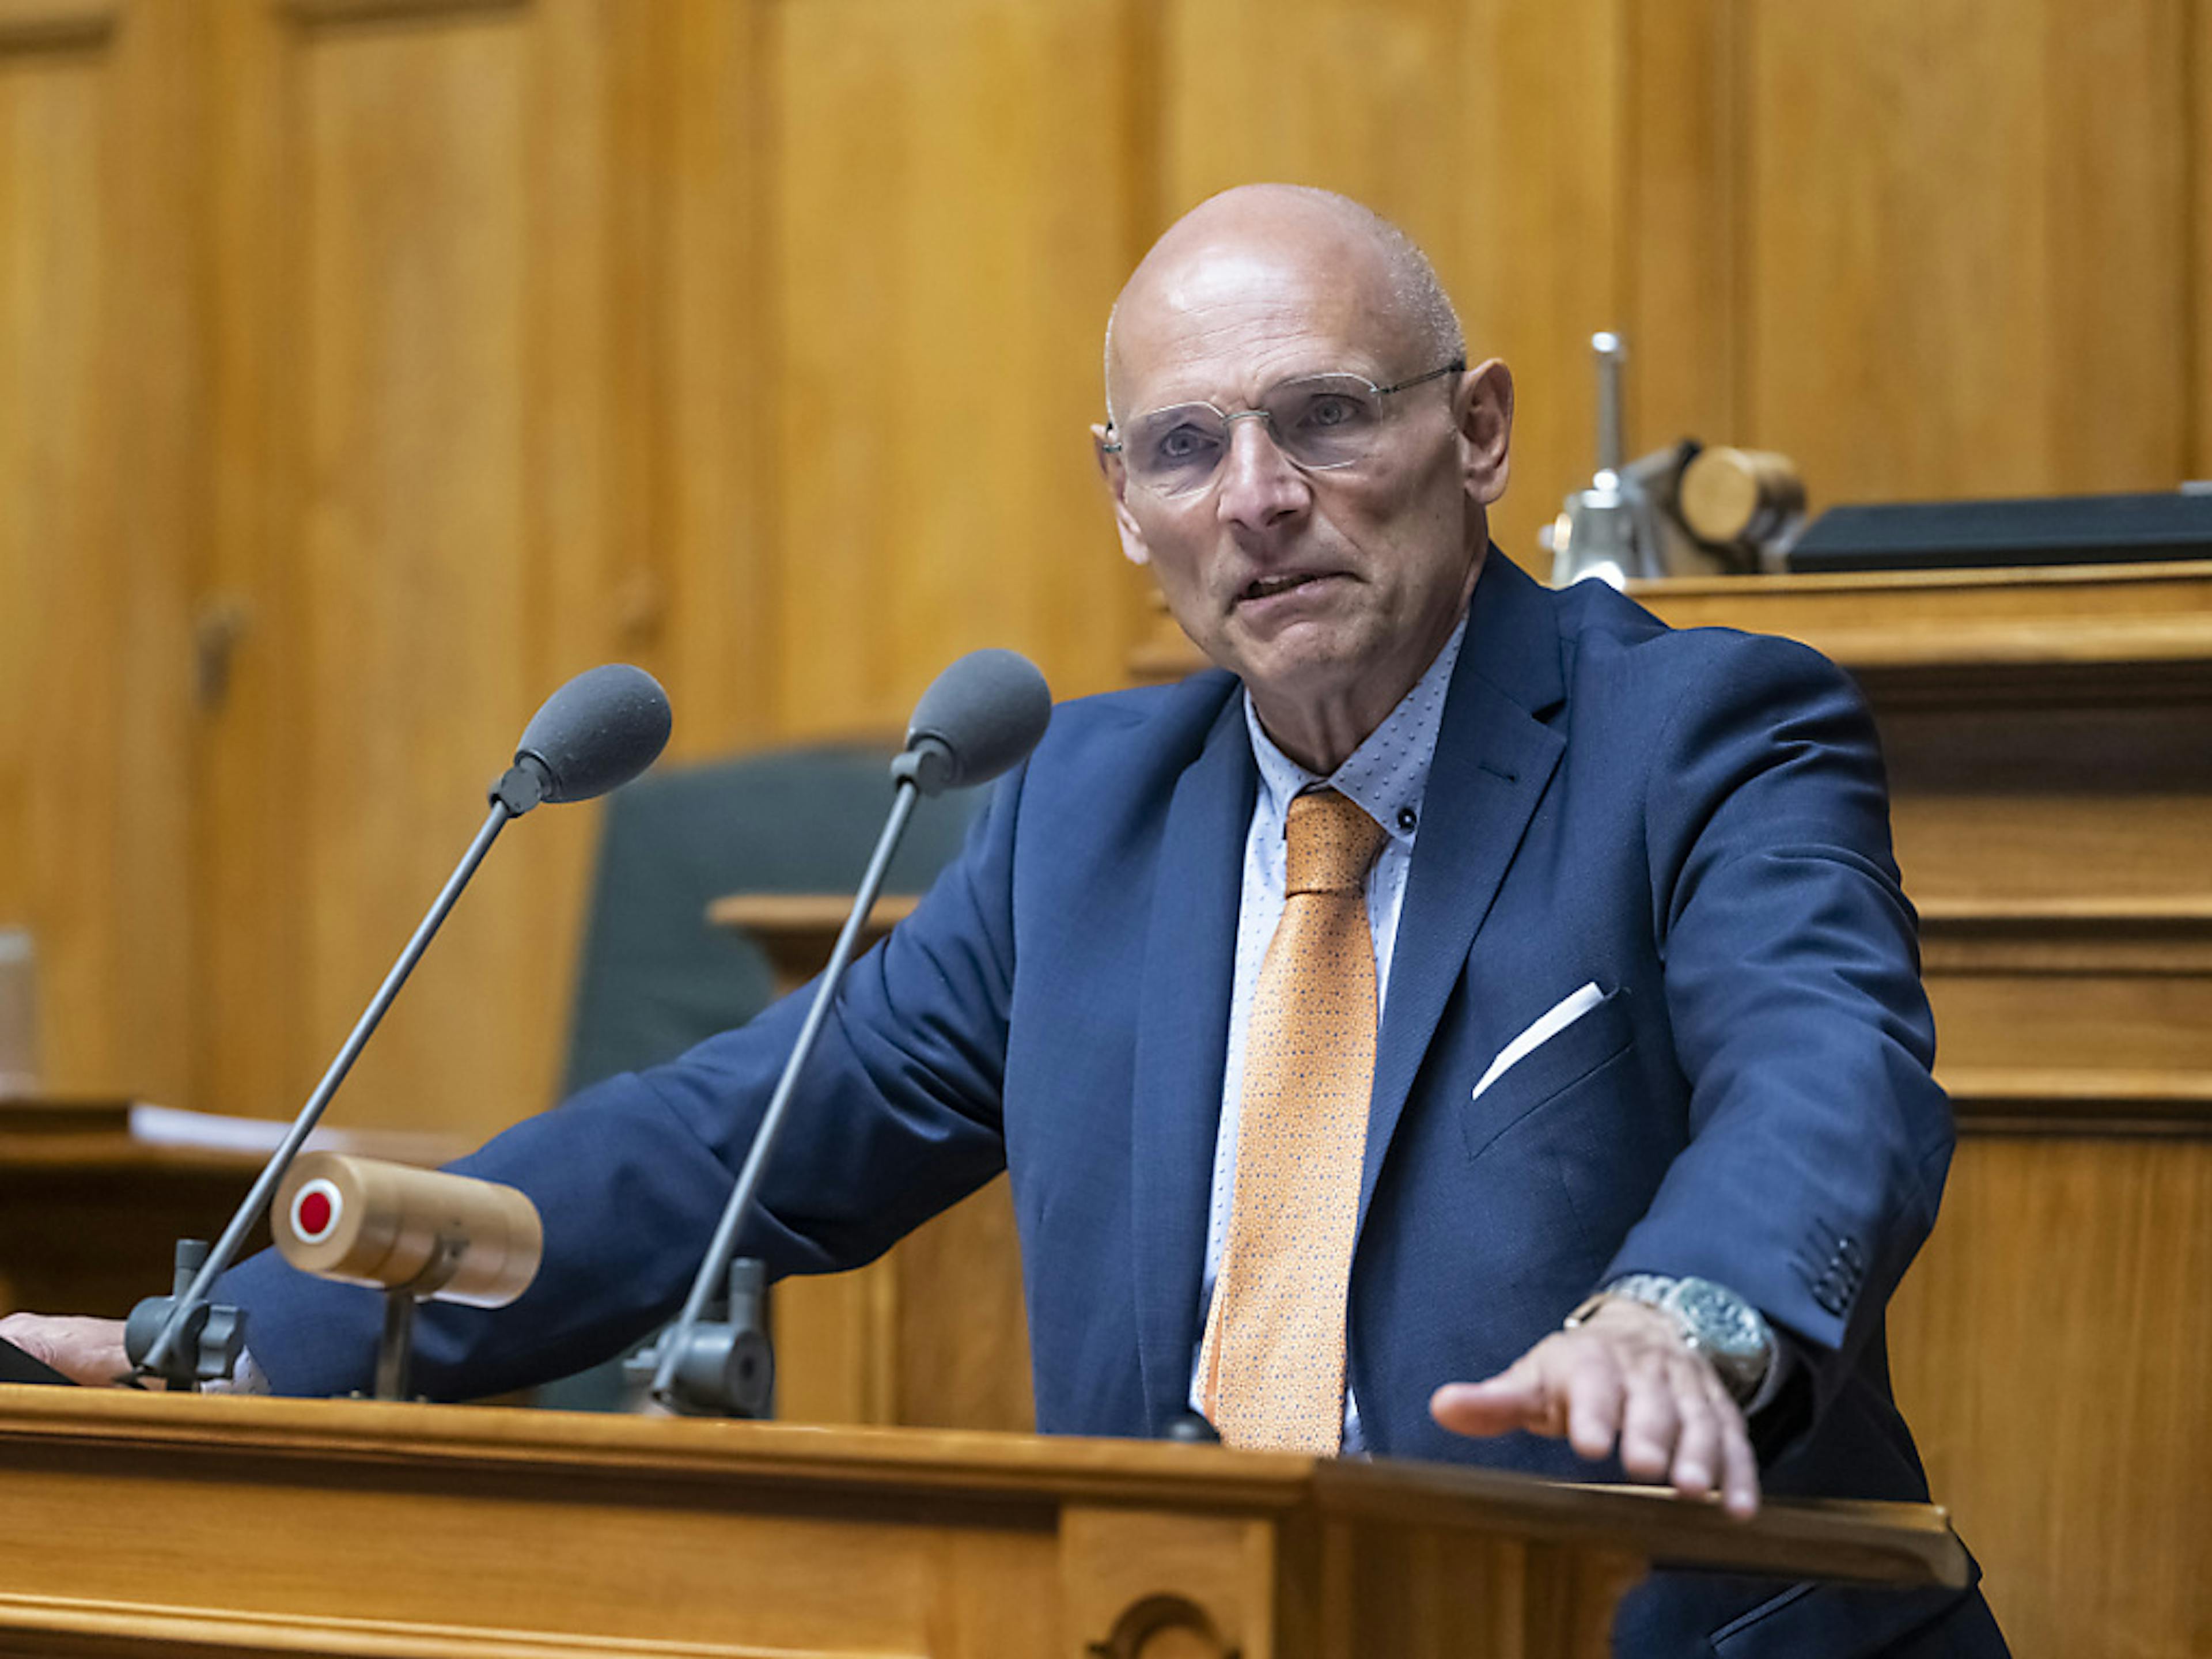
{"points": [[1388, 775]]}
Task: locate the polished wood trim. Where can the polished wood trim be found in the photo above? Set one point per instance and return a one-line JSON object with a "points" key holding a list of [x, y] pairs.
{"points": [[63, 1624], [364, 11], [805, 912], [2022, 636], [797, 930], [2055, 1101], [38, 1114], [1903, 1544], [1915, 1543], [2034, 633], [2066, 935], [56, 25]]}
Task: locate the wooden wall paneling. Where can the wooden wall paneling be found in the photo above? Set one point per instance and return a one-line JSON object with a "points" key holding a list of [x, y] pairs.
{"points": [[99, 470], [2199, 356], [1361, 99], [1964, 262], [1541, 257], [2050, 1349], [1492, 133], [2013, 802], [711, 608], [253, 1039], [932, 1335], [156, 185], [2048, 737], [948, 236], [2115, 335], [430, 391], [962, 1332], [1681, 175]]}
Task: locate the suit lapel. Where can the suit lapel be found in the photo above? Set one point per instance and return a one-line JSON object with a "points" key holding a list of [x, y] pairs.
{"points": [[1493, 761], [1182, 1034]]}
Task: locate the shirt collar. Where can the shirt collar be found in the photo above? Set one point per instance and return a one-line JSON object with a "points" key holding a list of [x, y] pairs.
{"points": [[1389, 773]]}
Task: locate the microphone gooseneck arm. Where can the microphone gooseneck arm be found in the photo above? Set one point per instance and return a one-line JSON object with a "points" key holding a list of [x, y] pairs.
{"points": [[156, 1361], [702, 1388]]}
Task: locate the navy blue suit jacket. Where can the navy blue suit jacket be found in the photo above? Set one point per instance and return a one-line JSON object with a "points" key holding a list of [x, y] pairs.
{"points": [[1695, 820]]}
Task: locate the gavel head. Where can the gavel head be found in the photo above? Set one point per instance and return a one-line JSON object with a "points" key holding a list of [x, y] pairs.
{"points": [[437, 1236]]}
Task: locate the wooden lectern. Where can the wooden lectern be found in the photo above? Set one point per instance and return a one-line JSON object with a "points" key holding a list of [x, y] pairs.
{"points": [[134, 1523]]}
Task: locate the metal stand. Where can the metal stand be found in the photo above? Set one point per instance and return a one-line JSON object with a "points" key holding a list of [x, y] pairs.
{"points": [[688, 1351], [395, 1350], [159, 1358], [722, 1367], [207, 1339]]}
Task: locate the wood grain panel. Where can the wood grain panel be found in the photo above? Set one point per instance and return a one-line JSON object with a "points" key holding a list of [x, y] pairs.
{"points": [[2053, 809], [435, 403], [335, 1528], [99, 460], [2050, 1351], [56, 25], [948, 240], [1491, 132], [1682, 206], [1966, 271], [2200, 266], [703, 600], [415, 561]]}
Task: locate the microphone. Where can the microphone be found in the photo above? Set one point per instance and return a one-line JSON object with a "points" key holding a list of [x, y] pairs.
{"points": [[595, 733], [590, 737], [417, 1235], [433, 1236], [980, 717]]}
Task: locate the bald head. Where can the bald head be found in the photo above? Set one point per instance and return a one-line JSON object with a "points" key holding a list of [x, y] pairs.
{"points": [[1306, 236]]}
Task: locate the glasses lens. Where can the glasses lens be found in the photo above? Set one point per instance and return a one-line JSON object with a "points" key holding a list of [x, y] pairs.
{"points": [[1326, 419], [1176, 450]]}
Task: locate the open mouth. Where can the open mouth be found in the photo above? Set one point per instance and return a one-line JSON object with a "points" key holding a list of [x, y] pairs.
{"points": [[1268, 587]]}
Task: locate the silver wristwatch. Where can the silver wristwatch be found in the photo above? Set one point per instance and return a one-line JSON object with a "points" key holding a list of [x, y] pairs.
{"points": [[1714, 1321]]}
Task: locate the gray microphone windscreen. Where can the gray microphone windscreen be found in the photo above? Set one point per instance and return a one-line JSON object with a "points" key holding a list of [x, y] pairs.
{"points": [[985, 713], [597, 731]]}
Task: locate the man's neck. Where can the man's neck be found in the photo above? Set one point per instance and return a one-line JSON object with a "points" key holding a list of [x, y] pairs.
{"points": [[1320, 730], [1321, 738], [1321, 733]]}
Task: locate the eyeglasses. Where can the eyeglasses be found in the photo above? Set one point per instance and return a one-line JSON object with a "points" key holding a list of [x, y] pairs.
{"points": [[1318, 420]]}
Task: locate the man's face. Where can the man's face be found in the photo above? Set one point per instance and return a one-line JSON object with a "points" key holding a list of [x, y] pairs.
{"points": [[1311, 586]]}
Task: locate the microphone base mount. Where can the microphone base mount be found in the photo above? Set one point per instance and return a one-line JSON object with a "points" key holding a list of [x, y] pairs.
{"points": [[209, 1337], [724, 1366]]}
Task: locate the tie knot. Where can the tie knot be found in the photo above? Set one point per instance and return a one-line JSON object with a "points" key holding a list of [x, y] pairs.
{"points": [[1329, 842]]}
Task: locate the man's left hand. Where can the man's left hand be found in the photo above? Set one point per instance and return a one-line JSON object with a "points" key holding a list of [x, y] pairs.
{"points": [[1623, 1377]]}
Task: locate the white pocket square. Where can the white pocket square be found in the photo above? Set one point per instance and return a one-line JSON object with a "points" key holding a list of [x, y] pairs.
{"points": [[1564, 1013]]}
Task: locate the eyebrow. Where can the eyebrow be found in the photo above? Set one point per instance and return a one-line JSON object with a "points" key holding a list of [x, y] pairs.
{"points": [[1369, 373]]}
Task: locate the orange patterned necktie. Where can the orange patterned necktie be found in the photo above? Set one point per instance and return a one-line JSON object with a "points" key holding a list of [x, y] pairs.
{"points": [[1272, 1359]]}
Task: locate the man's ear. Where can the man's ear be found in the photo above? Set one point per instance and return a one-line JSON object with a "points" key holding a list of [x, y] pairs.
{"points": [[1483, 405], [1117, 486]]}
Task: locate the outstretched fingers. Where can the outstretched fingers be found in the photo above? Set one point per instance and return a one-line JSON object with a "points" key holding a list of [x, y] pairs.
{"points": [[1623, 1381]]}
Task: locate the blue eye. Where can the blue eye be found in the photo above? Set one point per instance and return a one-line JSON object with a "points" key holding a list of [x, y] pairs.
{"points": [[1332, 409], [1182, 445]]}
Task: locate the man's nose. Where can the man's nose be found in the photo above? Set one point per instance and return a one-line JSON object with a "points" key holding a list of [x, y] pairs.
{"points": [[1259, 486]]}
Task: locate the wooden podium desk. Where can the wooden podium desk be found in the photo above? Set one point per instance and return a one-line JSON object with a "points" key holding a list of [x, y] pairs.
{"points": [[147, 1524], [2048, 735], [91, 1211], [90, 1216]]}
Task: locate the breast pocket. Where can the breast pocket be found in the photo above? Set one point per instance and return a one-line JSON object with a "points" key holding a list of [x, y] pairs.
{"points": [[1547, 1072]]}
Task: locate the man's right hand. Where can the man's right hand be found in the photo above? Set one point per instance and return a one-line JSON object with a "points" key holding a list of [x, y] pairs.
{"points": [[87, 1351]]}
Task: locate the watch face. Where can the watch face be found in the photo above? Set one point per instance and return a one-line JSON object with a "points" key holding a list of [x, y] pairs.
{"points": [[1723, 1321]]}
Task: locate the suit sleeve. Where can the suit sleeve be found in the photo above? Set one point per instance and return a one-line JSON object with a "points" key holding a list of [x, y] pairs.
{"points": [[898, 1115], [1819, 1141]]}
